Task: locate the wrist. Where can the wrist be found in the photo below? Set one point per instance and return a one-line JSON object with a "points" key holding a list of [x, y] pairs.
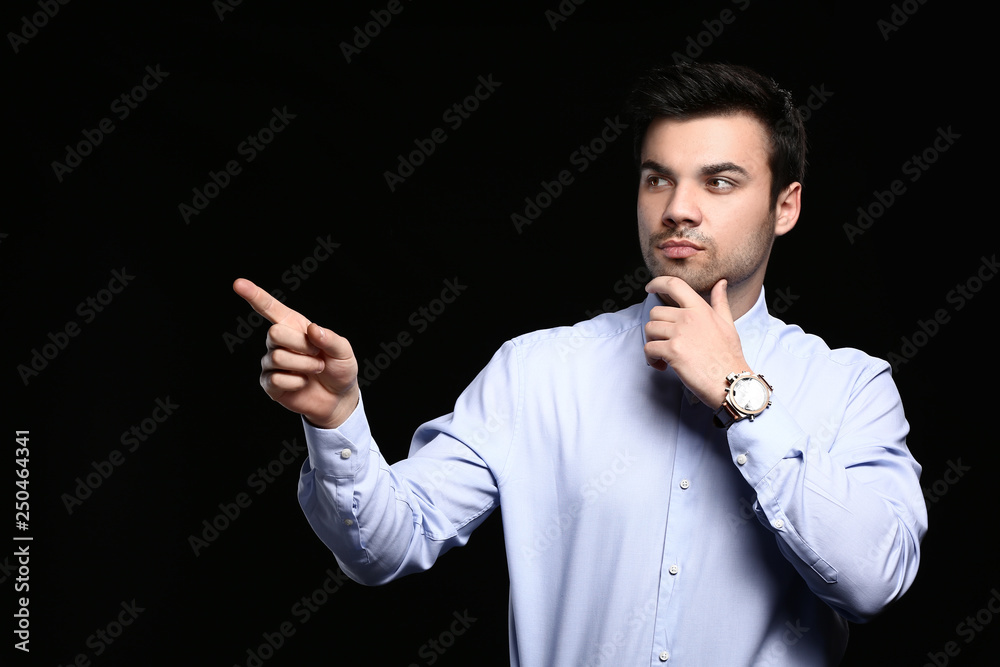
{"points": [[346, 406]]}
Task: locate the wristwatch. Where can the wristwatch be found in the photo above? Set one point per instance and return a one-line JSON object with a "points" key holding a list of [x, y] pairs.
{"points": [[748, 395]]}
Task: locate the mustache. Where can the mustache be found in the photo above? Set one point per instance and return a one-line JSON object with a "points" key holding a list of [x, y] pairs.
{"points": [[689, 235]]}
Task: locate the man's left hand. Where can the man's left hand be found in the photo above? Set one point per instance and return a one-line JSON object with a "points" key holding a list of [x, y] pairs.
{"points": [[696, 338]]}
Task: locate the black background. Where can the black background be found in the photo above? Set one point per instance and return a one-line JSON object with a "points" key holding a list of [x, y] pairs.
{"points": [[164, 336]]}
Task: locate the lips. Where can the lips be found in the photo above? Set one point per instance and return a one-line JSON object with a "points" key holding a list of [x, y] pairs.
{"points": [[679, 248]]}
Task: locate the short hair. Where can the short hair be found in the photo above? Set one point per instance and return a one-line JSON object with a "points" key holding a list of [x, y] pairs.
{"points": [[695, 90]]}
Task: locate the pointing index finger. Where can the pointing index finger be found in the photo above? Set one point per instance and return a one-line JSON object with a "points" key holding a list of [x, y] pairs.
{"points": [[265, 304]]}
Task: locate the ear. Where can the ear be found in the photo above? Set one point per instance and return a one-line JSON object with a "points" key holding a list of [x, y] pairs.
{"points": [[787, 208]]}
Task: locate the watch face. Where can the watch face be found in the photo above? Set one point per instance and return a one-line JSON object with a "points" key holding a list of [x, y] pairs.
{"points": [[749, 395]]}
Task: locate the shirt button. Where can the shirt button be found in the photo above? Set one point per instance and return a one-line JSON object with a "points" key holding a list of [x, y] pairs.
{"points": [[664, 656], [345, 453], [779, 524], [741, 459], [685, 484], [674, 569], [348, 522]]}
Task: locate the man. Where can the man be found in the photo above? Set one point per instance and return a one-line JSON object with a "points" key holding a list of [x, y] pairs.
{"points": [[662, 505]]}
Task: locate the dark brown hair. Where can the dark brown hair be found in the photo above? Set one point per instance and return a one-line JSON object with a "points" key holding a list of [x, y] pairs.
{"points": [[695, 90]]}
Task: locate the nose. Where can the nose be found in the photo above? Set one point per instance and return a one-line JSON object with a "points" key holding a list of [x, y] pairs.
{"points": [[682, 208]]}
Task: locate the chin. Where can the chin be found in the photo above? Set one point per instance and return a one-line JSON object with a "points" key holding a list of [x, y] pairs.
{"points": [[677, 268]]}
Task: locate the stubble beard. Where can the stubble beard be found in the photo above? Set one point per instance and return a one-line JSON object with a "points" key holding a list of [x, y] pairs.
{"points": [[707, 268]]}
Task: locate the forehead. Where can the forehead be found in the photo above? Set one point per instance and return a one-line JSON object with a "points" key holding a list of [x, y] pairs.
{"points": [[738, 138]]}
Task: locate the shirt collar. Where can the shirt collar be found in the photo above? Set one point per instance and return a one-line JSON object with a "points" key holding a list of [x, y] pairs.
{"points": [[752, 327]]}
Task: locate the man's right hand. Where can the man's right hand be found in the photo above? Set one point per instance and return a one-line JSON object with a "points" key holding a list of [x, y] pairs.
{"points": [[308, 369]]}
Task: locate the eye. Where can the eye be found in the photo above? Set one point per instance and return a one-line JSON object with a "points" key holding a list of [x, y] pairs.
{"points": [[721, 184], [656, 181]]}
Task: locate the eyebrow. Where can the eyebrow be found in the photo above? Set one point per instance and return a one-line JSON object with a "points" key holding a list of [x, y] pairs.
{"points": [[653, 165], [707, 170], [711, 169]]}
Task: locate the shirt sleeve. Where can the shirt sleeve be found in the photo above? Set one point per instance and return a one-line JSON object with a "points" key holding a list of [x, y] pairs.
{"points": [[383, 521], [842, 497]]}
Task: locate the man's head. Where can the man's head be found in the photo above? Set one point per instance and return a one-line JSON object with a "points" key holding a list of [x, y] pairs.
{"points": [[721, 154], [696, 90]]}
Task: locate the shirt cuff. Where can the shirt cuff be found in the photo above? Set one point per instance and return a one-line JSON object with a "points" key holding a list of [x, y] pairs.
{"points": [[757, 446], [334, 452]]}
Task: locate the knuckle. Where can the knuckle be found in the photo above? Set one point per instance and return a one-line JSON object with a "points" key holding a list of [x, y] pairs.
{"points": [[272, 335], [278, 332], [283, 382]]}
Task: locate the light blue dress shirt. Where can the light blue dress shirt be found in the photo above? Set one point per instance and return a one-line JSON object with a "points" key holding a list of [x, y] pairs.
{"points": [[637, 533]]}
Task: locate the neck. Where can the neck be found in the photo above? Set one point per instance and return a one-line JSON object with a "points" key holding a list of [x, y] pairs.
{"points": [[740, 300]]}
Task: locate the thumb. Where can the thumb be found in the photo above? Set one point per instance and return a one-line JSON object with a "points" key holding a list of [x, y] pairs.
{"points": [[328, 342], [720, 300]]}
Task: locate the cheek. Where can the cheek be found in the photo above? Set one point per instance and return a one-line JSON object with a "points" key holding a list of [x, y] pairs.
{"points": [[737, 215], [646, 213]]}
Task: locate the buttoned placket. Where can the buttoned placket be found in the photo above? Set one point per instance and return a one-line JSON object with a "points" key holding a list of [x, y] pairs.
{"points": [[683, 493]]}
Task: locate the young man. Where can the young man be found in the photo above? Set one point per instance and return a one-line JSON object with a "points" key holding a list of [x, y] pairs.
{"points": [[663, 502]]}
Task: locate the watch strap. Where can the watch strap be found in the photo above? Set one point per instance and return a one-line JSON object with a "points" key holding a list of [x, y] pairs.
{"points": [[725, 416]]}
